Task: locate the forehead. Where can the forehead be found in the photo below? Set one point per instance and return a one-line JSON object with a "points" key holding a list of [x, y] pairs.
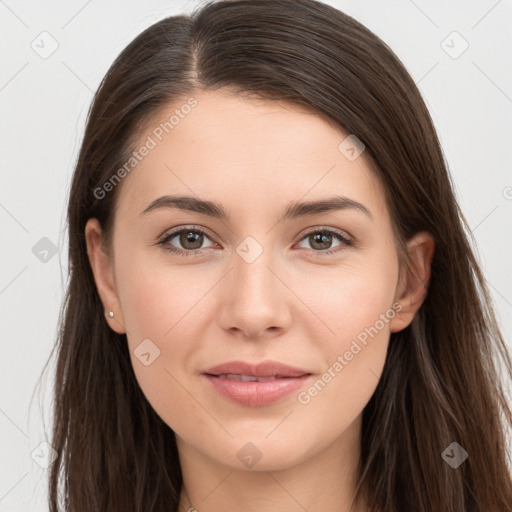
{"points": [[247, 152]]}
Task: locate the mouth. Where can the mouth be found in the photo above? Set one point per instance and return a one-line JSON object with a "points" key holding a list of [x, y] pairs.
{"points": [[255, 384], [252, 378], [244, 370]]}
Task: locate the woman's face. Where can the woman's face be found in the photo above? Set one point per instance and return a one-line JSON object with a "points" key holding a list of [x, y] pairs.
{"points": [[258, 285]]}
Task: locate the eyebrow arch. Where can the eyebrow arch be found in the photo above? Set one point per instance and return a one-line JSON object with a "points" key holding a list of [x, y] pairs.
{"points": [[294, 210]]}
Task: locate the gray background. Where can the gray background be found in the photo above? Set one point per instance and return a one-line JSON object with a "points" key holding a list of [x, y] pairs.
{"points": [[44, 102]]}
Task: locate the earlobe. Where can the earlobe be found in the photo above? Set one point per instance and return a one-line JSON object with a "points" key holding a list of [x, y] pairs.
{"points": [[414, 281], [102, 269]]}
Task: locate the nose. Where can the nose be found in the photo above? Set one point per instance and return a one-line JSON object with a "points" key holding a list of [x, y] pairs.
{"points": [[255, 298]]}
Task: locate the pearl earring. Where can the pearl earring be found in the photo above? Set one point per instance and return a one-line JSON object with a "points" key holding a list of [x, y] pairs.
{"points": [[111, 314]]}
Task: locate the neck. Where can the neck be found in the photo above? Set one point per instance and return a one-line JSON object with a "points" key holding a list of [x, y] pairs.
{"points": [[325, 481]]}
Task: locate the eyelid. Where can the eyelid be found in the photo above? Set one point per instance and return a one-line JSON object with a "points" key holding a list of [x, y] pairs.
{"points": [[343, 234]]}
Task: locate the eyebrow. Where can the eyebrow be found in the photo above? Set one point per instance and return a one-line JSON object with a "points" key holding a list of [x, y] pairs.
{"points": [[294, 210]]}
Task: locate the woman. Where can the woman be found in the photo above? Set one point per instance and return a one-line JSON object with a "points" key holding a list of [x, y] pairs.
{"points": [[273, 303]]}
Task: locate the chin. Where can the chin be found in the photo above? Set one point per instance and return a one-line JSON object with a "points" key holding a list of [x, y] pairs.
{"points": [[260, 455]]}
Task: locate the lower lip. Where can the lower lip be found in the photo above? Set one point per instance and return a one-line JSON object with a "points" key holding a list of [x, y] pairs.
{"points": [[257, 394]]}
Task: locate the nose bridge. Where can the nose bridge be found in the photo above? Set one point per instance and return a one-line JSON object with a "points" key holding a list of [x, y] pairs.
{"points": [[252, 278], [255, 300]]}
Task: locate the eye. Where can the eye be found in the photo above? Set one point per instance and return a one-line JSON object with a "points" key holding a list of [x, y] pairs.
{"points": [[191, 239], [321, 239]]}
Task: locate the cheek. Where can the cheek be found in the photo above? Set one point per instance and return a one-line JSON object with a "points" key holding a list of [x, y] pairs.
{"points": [[351, 297], [160, 306], [158, 313], [155, 297], [357, 306]]}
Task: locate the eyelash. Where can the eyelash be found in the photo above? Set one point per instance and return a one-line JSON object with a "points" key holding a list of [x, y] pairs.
{"points": [[198, 252]]}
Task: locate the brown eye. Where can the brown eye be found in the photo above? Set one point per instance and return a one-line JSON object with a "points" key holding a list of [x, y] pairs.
{"points": [[321, 241], [189, 241]]}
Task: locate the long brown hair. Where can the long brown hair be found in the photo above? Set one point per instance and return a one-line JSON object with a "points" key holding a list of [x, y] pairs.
{"points": [[441, 381]]}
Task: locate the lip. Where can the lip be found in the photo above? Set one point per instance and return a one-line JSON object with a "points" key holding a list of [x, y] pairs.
{"points": [[263, 369], [287, 379]]}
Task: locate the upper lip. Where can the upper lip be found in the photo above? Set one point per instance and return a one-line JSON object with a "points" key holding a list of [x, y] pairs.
{"points": [[263, 369]]}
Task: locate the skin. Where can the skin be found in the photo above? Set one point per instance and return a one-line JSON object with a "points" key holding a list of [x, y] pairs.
{"points": [[255, 157]]}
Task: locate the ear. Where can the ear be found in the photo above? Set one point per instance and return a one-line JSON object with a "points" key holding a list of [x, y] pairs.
{"points": [[413, 283], [102, 268]]}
